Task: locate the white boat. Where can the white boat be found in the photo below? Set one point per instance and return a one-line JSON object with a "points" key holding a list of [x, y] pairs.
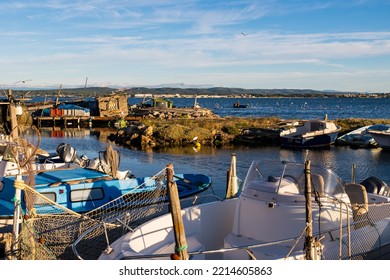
{"points": [[268, 220], [361, 137], [382, 137], [310, 134]]}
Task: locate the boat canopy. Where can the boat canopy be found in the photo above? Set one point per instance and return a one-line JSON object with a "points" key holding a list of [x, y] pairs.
{"points": [[264, 176]]}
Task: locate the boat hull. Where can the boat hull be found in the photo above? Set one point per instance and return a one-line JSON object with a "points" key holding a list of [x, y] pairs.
{"points": [[361, 137], [268, 219], [382, 138], [82, 190], [318, 141]]}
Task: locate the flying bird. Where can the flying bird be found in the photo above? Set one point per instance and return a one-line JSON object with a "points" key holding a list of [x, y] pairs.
{"points": [[243, 33]]}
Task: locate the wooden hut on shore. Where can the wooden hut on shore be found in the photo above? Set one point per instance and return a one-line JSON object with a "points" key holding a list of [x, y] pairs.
{"points": [[115, 105]]}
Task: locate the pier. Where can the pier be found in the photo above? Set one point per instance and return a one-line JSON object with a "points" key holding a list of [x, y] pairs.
{"points": [[83, 121]]}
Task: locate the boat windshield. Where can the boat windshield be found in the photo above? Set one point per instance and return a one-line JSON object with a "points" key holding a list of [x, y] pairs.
{"points": [[265, 176]]}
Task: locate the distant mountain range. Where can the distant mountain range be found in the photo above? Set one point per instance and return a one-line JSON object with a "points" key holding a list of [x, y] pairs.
{"points": [[213, 91]]}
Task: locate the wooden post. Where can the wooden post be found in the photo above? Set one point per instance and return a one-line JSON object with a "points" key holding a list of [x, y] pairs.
{"points": [[177, 220], [14, 120], [57, 97], [232, 188], [308, 246], [227, 182], [353, 180], [195, 103]]}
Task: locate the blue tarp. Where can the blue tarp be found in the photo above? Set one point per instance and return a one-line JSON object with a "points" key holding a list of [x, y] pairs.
{"points": [[72, 106]]}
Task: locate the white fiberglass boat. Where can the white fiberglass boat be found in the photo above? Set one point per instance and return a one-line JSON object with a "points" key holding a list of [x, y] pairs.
{"points": [[382, 137], [267, 220]]}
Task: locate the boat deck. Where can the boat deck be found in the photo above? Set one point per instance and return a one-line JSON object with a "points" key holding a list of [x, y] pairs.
{"points": [[51, 177]]}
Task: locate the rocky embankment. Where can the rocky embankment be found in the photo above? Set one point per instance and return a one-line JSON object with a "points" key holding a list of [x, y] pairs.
{"points": [[152, 113], [158, 131]]}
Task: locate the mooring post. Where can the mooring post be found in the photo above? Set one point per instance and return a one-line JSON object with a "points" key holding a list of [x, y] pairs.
{"points": [[232, 187], [12, 112], [177, 220], [353, 180], [195, 102], [309, 246]]}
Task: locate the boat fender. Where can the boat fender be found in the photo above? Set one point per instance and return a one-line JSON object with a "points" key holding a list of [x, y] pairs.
{"points": [[376, 186]]}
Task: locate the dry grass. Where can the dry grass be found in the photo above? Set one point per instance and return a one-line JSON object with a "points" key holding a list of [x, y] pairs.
{"points": [[214, 124], [181, 131]]}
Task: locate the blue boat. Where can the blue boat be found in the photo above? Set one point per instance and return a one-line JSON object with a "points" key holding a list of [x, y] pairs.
{"points": [[82, 189], [310, 134]]}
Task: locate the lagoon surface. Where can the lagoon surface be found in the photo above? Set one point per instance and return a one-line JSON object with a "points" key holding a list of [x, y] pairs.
{"points": [[291, 108], [216, 161]]}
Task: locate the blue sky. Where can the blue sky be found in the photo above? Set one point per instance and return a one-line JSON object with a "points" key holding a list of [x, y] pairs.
{"points": [[323, 45]]}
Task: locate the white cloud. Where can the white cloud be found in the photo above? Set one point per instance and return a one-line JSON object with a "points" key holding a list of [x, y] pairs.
{"points": [[192, 41]]}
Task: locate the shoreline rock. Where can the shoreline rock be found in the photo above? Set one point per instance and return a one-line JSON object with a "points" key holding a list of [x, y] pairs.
{"points": [[158, 133]]}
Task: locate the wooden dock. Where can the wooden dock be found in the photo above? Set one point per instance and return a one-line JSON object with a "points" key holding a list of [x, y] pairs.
{"points": [[72, 121]]}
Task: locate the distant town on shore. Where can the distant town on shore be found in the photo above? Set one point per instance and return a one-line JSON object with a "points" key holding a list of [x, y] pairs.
{"points": [[217, 92]]}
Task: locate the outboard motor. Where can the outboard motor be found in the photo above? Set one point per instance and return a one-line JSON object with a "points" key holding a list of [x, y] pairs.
{"points": [[68, 154], [376, 186]]}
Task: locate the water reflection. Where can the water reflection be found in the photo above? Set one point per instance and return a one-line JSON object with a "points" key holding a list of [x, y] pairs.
{"points": [[216, 161]]}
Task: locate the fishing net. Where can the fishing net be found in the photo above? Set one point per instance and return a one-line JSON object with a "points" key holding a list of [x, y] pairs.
{"points": [[346, 231], [51, 233]]}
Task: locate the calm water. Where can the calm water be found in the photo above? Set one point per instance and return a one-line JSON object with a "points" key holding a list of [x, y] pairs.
{"points": [[291, 108], [216, 162]]}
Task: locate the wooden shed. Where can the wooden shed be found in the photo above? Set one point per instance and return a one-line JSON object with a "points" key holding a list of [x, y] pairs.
{"points": [[113, 105]]}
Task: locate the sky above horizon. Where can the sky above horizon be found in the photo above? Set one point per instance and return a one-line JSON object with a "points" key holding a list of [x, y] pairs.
{"points": [[294, 44]]}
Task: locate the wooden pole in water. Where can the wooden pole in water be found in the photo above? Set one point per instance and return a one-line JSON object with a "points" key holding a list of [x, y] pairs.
{"points": [[353, 180], [177, 220], [308, 246], [195, 103], [232, 187]]}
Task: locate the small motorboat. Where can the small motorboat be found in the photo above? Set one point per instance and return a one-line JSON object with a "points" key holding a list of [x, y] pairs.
{"points": [[91, 184], [361, 137], [309, 134], [268, 219], [382, 138], [238, 105]]}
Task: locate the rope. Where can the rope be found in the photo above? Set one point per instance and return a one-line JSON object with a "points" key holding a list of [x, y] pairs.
{"points": [[20, 185], [180, 249], [296, 242]]}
